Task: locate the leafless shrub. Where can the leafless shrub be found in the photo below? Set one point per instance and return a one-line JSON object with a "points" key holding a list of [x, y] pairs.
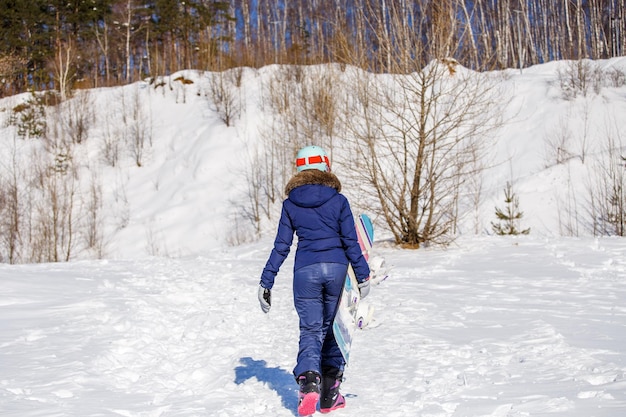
{"points": [[11, 210], [323, 106], [77, 115], [259, 193], [557, 144], [607, 190], [111, 143], [92, 218], [121, 203], [584, 76], [616, 77], [136, 123], [224, 96], [155, 245], [568, 209], [277, 96], [241, 230], [575, 78], [236, 75], [570, 138], [53, 224]]}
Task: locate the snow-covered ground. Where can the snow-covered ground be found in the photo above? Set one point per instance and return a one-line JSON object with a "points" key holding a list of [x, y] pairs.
{"points": [[491, 327], [168, 323]]}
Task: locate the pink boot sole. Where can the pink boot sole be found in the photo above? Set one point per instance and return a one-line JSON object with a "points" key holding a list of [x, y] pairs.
{"points": [[308, 404]]}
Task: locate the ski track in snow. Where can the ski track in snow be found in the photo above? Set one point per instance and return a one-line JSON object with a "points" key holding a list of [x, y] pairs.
{"points": [[493, 327]]}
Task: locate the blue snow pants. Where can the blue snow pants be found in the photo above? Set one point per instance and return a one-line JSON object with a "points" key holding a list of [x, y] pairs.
{"points": [[316, 292]]}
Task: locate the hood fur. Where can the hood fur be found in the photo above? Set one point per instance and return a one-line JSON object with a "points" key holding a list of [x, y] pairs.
{"points": [[313, 176]]}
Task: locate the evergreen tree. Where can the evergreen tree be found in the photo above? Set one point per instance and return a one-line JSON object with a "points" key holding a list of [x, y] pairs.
{"points": [[24, 34], [509, 218]]}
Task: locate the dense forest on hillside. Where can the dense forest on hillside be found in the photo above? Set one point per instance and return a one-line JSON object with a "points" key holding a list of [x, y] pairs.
{"points": [[71, 44]]}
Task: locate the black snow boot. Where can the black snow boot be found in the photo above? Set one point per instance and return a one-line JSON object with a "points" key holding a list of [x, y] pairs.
{"points": [[330, 398], [309, 393]]}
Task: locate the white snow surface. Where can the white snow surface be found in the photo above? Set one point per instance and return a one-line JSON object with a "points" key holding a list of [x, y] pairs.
{"points": [[491, 327], [168, 324]]}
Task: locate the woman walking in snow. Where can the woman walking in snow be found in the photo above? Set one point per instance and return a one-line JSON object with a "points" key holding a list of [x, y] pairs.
{"points": [[327, 242]]}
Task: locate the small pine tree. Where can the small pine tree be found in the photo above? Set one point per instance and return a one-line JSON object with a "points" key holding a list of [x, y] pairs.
{"points": [[509, 218], [30, 118]]}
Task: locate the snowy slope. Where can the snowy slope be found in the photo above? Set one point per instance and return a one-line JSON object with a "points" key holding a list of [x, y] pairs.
{"points": [[181, 201]]}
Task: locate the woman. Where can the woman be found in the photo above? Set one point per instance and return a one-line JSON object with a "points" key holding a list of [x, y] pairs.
{"points": [[327, 242]]}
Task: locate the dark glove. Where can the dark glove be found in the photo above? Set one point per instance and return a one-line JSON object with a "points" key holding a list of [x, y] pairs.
{"points": [[265, 298], [364, 288]]}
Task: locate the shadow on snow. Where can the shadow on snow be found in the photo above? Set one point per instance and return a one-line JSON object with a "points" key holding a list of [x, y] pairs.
{"points": [[276, 378]]}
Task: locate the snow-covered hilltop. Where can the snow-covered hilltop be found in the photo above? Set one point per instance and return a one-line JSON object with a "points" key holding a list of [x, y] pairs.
{"points": [[179, 165]]}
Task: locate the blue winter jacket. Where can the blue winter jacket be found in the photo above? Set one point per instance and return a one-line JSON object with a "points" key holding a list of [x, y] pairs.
{"points": [[322, 219]]}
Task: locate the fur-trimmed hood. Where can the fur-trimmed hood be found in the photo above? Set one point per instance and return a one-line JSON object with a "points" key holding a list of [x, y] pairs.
{"points": [[312, 188], [313, 176]]}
